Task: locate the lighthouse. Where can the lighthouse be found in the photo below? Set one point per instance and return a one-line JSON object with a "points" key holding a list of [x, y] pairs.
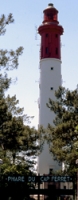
{"points": [[50, 78]]}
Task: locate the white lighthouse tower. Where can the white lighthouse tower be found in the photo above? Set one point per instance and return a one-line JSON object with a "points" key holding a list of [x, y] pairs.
{"points": [[50, 77]]}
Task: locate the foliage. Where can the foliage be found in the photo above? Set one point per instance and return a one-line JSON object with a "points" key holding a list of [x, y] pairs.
{"points": [[18, 141], [63, 136]]}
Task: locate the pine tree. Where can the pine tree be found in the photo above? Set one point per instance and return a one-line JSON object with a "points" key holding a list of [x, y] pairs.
{"points": [[18, 142], [63, 136]]}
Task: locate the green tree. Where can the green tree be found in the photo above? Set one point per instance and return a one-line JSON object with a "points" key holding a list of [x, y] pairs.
{"points": [[18, 149], [63, 136], [18, 142]]}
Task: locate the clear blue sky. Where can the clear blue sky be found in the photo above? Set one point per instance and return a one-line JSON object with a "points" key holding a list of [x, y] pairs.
{"points": [[27, 15]]}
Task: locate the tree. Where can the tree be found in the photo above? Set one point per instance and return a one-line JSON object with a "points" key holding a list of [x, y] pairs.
{"points": [[63, 136], [8, 59], [18, 142]]}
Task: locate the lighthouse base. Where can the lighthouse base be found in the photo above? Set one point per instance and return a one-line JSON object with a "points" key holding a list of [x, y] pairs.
{"points": [[46, 163]]}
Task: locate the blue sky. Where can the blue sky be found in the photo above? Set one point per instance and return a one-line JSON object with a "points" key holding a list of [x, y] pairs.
{"points": [[28, 15]]}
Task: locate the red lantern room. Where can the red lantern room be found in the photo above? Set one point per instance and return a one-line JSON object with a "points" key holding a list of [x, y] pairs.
{"points": [[50, 32]]}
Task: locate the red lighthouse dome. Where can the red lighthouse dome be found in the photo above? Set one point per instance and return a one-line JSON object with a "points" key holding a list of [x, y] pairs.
{"points": [[50, 32]]}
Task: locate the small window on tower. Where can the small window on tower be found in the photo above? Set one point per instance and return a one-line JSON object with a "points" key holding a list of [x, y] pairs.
{"points": [[64, 186], [46, 50], [50, 16], [51, 88], [56, 51], [50, 171], [46, 34], [51, 68], [56, 35]]}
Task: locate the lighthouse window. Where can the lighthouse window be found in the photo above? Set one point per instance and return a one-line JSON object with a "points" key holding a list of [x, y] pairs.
{"points": [[46, 50], [56, 35], [50, 171], [64, 187], [46, 34], [51, 88], [50, 16], [56, 51]]}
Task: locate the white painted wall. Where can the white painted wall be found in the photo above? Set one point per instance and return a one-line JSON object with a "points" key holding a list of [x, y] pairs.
{"points": [[48, 78]]}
